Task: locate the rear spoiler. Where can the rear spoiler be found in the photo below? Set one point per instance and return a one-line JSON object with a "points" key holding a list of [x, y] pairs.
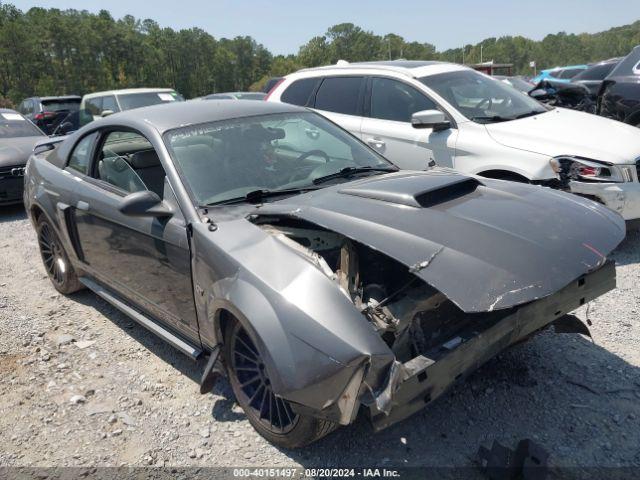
{"points": [[47, 145]]}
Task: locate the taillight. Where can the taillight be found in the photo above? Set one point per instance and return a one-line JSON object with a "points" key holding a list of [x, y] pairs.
{"points": [[273, 89], [44, 115]]}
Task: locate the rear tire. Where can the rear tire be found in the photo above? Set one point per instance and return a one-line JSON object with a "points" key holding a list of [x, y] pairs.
{"points": [[271, 416], [55, 259]]}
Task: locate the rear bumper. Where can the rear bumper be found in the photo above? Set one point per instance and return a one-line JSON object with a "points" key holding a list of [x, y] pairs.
{"points": [[421, 380], [623, 198]]}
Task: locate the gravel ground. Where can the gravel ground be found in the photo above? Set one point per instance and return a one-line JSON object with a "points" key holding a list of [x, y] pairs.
{"points": [[80, 384]]}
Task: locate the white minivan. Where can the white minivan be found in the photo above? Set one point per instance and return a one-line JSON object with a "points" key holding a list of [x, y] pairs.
{"points": [[416, 112]]}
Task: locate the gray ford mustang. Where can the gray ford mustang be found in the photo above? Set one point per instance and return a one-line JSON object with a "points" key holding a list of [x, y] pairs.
{"points": [[18, 136], [318, 277]]}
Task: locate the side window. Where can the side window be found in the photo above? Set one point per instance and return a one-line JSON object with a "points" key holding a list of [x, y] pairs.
{"points": [[128, 161], [109, 103], [81, 155], [94, 106], [397, 101], [339, 95], [28, 107], [569, 73], [298, 92], [22, 108]]}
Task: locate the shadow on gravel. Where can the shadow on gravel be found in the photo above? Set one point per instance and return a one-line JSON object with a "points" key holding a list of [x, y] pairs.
{"points": [[12, 213], [576, 399], [154, 344], [629, 250]]}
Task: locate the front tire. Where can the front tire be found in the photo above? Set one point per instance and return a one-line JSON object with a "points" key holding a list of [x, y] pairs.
{"points": [[271, 416], [55, 259]]}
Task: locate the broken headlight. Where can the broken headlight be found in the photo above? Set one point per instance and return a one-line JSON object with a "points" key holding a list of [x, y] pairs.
{"points": [[573, 168]]}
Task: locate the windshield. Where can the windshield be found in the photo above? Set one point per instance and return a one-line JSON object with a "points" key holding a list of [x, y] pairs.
{"points": [[129, 101], [481, 98], [224, 160], [14, 125], [520, 84]]}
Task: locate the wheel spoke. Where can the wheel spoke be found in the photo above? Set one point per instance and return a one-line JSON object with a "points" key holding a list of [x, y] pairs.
{"points": [[278, 412], [248, 369], [263, 401], [246, 383], [255, 394], [248, 347], [246, 357], [270, 407]]}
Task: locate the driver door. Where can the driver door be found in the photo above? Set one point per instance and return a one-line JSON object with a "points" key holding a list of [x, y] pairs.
{"points": [[387, 126], [144, 259]]}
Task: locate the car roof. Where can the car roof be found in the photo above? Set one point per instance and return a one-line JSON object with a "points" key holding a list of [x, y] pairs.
{"points": [[168, 116], [126, 91], [7, 110], [411, 68], [238, 93]]}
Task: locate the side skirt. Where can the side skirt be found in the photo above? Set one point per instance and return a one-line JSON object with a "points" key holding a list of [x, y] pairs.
{"points": [[185, 347]]}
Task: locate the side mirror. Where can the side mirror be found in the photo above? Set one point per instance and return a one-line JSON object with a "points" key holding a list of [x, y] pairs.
{"points": [[106, 113], [538, 93], [434, 119], [144, 204]]}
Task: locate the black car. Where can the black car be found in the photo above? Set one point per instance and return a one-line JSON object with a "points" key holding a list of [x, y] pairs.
{"points": [[18, 136], [324, 281], [619, 96], [49, 112], [593, 76]]}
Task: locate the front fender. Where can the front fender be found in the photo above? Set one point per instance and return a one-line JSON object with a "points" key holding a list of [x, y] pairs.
{"points": [[311, 336]]}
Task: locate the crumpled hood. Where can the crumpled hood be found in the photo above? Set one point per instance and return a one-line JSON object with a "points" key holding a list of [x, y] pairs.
{"points": [[486, 244], [568, 132], [16, 151]]}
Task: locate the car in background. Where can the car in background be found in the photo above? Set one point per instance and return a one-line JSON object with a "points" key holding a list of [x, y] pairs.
{"points": [[320, 278], [18, 137], [593, 76], [619, 95], [518, 83], [235, 96], [560, 74], [416, 112], [272, 82], [48, 112], [575, 96], [102, 104]]}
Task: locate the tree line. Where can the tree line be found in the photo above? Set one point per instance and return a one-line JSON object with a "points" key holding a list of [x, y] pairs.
{"points": [[55, 52]]}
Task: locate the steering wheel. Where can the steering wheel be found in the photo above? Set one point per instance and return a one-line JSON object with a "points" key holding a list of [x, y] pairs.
{"points": [[485, 101], [310, 153]]}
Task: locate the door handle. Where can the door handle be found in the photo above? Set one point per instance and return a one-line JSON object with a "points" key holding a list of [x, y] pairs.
{"points": [[84, 206], [376, 143]]}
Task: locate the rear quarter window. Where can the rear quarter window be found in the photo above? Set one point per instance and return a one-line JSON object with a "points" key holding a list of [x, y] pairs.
{"points": [[299, 92], [81, 154], [339, 95]]}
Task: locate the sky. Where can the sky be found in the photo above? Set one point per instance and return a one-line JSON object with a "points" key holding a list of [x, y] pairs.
{"points": [[284, 25]]}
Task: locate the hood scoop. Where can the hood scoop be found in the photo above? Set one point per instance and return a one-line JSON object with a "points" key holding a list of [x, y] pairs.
{"points": [[420, 190]]}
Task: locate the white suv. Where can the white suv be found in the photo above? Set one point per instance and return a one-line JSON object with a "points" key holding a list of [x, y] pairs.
{"points": [[413, 112]]}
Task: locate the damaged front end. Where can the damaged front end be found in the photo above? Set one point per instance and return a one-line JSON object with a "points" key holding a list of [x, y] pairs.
{"points": [[433, 340]]}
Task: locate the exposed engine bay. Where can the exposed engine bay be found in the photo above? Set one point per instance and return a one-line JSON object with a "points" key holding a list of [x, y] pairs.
{"points": [[411, 317]]}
